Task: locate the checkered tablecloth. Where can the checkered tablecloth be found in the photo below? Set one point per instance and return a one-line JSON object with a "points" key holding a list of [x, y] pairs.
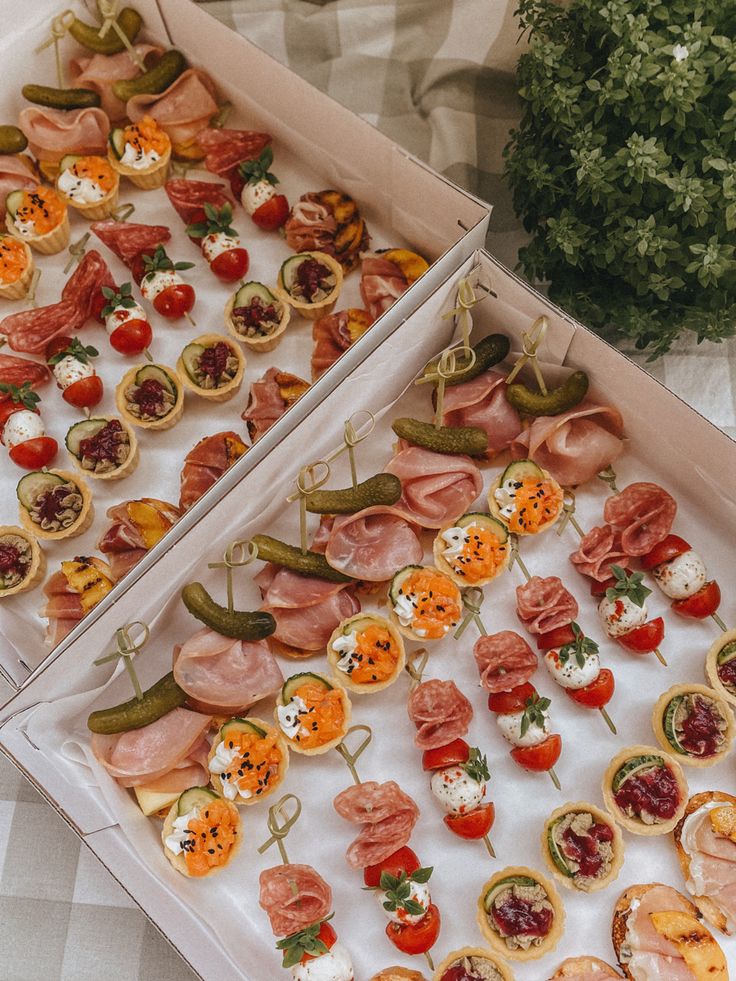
{"points": [[436, 76]]}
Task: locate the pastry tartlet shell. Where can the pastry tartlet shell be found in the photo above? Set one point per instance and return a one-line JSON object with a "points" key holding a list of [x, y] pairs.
{"points": [[333, 657], [261, 345], [326, 747], [156, 424], [86, 515], [179, 861], [126, 468], [658, 716], [283, 747], [496, 943], [711, 666], [225, 392], [637, 827], [37, 568], [601, 816], [313, 311]]}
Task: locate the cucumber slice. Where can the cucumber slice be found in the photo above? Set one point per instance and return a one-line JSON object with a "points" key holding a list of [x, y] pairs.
{"points": [[727, 653], [358, 626], [195, 798], [157, 700], [153, 371], [190, 358], [85, 429], [382, 489], [241, 725], [472, 518], [291, 557], [238, 624], [521, 470], [669, 726], [297, 680], [633, 766], [399, 579], [290, 269], [249, 291], [468, 440], [13, 201], [556, 852], [503, 885], [34, 484], [117, 142], [68, 161]]}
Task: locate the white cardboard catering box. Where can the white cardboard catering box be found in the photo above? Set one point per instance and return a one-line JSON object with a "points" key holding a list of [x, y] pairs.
{"points": [[318, 144], [42, 730]]}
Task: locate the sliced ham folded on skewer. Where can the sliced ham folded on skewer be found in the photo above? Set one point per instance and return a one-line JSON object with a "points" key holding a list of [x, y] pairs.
{"points": [[372, 544], [52, 133], [99, 71], [142, 756], [269, 399], [17, 371], [482, 403], [182, 110], [575, 445], [224, 676], [436, 487], [504, 661], [598, 551], [136, 527], [643, 513], [16, 172], [544, 604], [440, 712], [306, 609], [206, 463], [387, 817], [293, 897], [192, 771]]}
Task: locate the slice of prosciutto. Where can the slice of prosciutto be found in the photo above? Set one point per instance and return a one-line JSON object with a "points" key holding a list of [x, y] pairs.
{"points": [[205, 463], [306, 609], [381, 284], [482, 403], [653, 957], [575, 445], [504, 660], [223, 676], [712, 856], [16, 172], [269, 399], [294, 897], [136, 526], [334, 334], [127, 239], [643, 513], [598, 551], [188, 197], [17, 371], [544, 604], [387, 817], [63, 608], [140, 756], [311, 226], [440, 712], [182, 110], [436, 487], [226, 149], [99, 71], [52, 133], [372, 544]]}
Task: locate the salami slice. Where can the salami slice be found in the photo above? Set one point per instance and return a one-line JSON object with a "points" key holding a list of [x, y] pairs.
{"points": [[188, 198], [543, 604], [504, 660], [84, 286], [598, 550], [225, 149], [293, 897], [643, 513], [16, 371], [440, 712], [387, 816], [127, 239]]}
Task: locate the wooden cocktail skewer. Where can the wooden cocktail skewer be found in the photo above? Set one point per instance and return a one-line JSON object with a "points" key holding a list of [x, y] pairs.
{"points": [[127, 649], [352, 758], [280, 831]]}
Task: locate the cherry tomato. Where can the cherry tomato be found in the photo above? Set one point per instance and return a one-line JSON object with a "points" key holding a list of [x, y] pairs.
{"points": [[416, 938], [34, 453], [669, 548], [56, 344], [132, 337], [597, 694], [599, 588], [175, 301], [506, 702], [643, 639], [701, 604], [231, 265], [84, 393], [555, 638], [99, 303], [272, 214], [402, 860], [538, 758], [457, 751], [473, 825], [328, 937]]}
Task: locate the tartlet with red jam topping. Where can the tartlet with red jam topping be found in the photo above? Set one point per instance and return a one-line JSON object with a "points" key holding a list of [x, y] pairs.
{"points": [[150, 396], [103, 447], [16, 267], [54, 504], [472, 964], [582, 846], [310, 282], [720, 666], [256, 317], [520, 914], [22, 563], [694, 723], [645, 790], [212, 367], [366, 652]]}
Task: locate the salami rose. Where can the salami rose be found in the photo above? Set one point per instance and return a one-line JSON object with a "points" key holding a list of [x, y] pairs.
{"points": [[643, 513], [387, 816], [440, 712], [84, 286], [545, 604], [504, 660], [294, 897], [598, 551], [482, 403], [436, 487]]}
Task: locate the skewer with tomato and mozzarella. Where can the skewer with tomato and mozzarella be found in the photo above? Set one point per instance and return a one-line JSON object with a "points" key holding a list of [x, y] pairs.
{"points": [[220, 243], [458, 781], [22, 430], [268, 209], [160, 283], [623, 612], [682, 576], [125, 321], [523, 718], [75, 375]]}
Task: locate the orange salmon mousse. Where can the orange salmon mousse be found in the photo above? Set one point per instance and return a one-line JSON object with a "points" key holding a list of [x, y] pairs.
{"points": [[146, 136], [13, 260], [94, 169], [425, 602], [314, 714], [376, 654], [201, 832], [247, 763], [39, 212], [474, 549], [526, 498]]}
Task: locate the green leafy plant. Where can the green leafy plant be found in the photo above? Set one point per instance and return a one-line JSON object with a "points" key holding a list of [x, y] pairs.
{"points": [[581, 648], [627, 586], [622, 166]]}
